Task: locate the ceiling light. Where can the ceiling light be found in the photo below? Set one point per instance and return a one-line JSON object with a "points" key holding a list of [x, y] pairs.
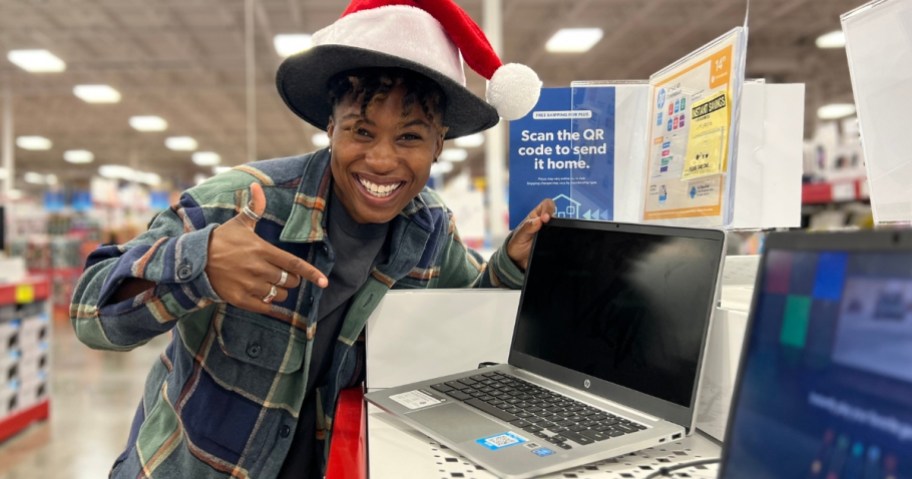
{"points": [[573, 40], [320, 140], [471, 141], [34, 143], [148, 123], [116, 171], [835, 39], [206, 158], [96, 93], [441, 168], [199, 178], [36, 61], [181, 143], [14, 195], [287, 44], [150, 179], [33, 178], [51, 179], [78, 156], [217, 170], [454, 154], [834, 111]]}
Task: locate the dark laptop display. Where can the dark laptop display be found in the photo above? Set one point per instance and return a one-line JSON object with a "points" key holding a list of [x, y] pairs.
{"points": [[825, 389], [617, 312]]}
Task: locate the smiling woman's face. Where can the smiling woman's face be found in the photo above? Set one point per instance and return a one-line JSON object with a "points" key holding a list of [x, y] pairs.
{"points": [[382, 154]]}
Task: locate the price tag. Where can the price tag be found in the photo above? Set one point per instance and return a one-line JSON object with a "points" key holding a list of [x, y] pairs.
{"points": [[25, 293]]}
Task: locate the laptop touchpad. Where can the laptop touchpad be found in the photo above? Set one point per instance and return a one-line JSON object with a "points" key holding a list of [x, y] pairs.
{"points": [[457, 423]]}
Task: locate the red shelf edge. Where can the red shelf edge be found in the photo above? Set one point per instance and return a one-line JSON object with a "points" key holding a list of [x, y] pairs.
{"points": [[348, 451], [13, 424]]}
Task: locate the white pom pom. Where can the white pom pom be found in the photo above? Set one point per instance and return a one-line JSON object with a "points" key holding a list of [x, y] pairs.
{"points": [[513, 90]]}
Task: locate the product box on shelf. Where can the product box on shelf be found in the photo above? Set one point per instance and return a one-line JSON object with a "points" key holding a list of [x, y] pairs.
{"points": [[8, 399], [32, 391], [9, 336], [33, 329]]}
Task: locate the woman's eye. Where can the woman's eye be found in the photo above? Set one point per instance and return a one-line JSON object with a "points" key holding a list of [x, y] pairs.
{"points": [[362, 132], [411, 137]]}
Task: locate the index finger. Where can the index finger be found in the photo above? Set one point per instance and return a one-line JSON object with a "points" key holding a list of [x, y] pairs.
{"points": [[294, 265]]}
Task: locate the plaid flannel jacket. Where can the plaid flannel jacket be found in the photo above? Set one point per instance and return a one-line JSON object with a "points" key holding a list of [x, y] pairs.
{"points": [[223, 400]]}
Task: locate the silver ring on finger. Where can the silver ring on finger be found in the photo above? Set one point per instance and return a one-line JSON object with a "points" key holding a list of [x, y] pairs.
{"points": [[273, 291], [250, 213], [282, 279]]}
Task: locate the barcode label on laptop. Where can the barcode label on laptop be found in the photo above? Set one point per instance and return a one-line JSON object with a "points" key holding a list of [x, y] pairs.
{"points": [[501, 441], [415, 399]]}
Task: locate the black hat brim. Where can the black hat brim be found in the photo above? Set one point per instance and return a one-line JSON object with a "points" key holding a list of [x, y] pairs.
{"points": [[302, 80]]}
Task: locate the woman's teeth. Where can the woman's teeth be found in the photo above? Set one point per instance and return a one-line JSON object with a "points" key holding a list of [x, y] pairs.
{"points": [[379, 191]]}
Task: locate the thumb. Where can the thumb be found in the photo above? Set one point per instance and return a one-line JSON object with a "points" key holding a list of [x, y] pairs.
{"points": [[255, 207], [257, 201]]}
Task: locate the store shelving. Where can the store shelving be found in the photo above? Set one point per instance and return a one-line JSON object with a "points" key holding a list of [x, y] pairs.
{"points": [[24, 354]]}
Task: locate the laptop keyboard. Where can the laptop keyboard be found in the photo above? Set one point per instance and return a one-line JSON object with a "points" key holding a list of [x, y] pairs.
{"points": [[551, 416]]}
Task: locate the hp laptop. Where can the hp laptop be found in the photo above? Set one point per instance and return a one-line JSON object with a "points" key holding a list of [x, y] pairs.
{"points": [[825, 382], [605, 357]]}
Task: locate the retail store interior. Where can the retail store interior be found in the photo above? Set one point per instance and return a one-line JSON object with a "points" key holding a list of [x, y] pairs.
{"points": [[132, 102]]}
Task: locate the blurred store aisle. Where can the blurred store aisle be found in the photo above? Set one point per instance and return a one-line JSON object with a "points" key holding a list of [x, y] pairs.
{"points": [[93, 397]]}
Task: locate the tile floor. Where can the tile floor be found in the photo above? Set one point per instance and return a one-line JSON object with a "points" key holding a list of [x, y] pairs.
{"points": [[93, 397]]}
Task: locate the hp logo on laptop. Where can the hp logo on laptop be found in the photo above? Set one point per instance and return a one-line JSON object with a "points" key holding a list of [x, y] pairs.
{"points": [[586, 383]]}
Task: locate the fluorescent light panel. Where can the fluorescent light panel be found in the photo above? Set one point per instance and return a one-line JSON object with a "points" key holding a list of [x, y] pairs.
{"points": [[573, 40], [181, 143], [96, 93], [36, 61], [287, 44], [320, 140], [34, 143], [33, 178], [78, 156], [121, 172], [441, 168], [148, 123], [151, 179], [206, 158], [454, 155], [116, 171], [834, 39], [835, 111], [470, 141]]}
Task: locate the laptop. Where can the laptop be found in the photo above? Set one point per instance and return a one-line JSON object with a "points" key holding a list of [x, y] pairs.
{"points": [[605, 359], [825, 381]]}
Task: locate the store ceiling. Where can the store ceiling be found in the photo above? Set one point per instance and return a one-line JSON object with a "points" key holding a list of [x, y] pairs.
{"points": [[184, 60]]}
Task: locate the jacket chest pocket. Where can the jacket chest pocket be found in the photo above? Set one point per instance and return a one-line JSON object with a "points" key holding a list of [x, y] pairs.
{"points": [[260, 341]]}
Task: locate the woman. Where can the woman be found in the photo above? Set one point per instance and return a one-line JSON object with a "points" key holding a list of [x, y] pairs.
{"points": [[266, 274]]}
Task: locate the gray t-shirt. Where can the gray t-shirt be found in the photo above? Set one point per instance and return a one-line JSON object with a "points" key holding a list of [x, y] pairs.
{"points": [[357, 248]]}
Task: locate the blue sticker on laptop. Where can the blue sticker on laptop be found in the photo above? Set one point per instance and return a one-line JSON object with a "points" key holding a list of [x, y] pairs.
{"points": [[542, 452], [501, 441]]}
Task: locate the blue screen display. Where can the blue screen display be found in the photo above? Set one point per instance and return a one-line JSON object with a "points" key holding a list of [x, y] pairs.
{"points": [[826, 388]]}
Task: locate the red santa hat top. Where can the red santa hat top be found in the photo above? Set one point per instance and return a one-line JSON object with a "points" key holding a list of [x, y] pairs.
{"points": [[431, 37]]}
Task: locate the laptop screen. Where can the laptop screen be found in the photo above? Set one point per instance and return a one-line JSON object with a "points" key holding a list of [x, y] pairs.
{"points": [[626, 304], [826, 381]]}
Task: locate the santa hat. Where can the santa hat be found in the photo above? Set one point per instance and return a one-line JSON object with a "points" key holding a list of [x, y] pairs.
{"points": [[430, 37]]}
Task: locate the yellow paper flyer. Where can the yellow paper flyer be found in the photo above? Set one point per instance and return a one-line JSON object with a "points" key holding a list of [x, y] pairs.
{"points": [[706, 143]]}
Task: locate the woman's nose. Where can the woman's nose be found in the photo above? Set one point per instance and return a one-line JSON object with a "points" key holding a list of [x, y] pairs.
{"points": [[382, 154]]}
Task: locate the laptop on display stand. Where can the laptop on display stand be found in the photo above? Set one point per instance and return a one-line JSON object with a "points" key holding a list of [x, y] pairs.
{"points": [[825, 382], [605, 359]]}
